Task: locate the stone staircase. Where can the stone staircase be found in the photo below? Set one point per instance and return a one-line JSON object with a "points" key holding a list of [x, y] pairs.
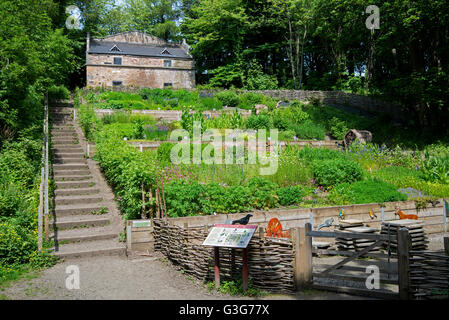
{"points": [[85, 221]]}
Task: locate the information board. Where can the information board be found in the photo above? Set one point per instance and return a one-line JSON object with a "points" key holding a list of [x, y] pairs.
{"points": [[229, 235]]}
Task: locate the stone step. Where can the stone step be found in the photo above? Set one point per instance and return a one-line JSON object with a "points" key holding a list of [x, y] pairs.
{"points": [[63, 128], [68, 160], [68, 155], [63, 134], [76, 192], [68, 149], [60, 173], [74, 184], [79, 221], [63, 131], [62, 201], [62, 123], [84, 235], [64, 141], [91, 249], [61, 110], [70, 167], [72, 178]]}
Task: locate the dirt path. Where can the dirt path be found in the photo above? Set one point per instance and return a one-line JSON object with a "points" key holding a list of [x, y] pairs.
{"points": [[119, 278]]}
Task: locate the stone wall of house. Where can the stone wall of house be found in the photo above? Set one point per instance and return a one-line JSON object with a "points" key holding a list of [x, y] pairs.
{"points": [[139, 72], [108, 59]]}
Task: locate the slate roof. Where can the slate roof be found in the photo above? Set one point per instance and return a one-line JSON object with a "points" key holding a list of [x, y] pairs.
{"points": [[147, 50]]}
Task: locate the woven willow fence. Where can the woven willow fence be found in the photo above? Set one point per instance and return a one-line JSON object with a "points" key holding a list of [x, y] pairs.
{"points": [[270, 260], [429, 275]]}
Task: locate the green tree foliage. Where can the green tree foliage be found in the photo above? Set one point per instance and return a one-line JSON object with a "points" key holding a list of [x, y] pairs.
{"points": [[33, 56]]}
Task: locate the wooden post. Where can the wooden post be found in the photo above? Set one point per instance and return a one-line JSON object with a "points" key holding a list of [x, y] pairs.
{"points": [[446, 245], [158, 212], [217, 267], [142, 214], [444, 215], [47, 227], [403, 264], [151, 201], [128, 236], [186, 228], [245, 269], [302, 246]]}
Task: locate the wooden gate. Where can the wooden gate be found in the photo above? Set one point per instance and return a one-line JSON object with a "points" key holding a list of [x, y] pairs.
{"points": [[354, 267]]}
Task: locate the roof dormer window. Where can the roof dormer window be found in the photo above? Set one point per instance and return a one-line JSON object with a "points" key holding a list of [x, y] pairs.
{"points": [[165, 52], [115, 49]]}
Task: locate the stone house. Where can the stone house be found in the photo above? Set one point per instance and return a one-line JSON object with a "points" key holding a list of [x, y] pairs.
{"points": [[138, 59]]}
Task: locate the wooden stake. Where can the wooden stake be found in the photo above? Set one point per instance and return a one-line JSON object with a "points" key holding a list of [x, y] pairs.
{"points": [[151, 201], [142, 214], [403, 264], [245, 270], [446, 245], [47, 227], [217, 267], [158, 213]]}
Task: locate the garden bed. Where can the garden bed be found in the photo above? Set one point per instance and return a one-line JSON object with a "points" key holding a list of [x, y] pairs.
{"points": [[305, 177]]}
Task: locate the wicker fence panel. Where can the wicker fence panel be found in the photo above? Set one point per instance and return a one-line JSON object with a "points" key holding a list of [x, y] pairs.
{"points": [[270, 260], [429, 275]]}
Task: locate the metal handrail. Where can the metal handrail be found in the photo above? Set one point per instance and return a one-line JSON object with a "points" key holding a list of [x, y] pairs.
{"points": [[43, 190]]}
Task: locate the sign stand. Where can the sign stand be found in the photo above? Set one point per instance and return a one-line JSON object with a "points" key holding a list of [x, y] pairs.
{"points": [[230, 236], [217, 267]]}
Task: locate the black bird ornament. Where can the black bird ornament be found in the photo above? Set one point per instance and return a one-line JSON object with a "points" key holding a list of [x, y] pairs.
{"points": [[243, 220]]}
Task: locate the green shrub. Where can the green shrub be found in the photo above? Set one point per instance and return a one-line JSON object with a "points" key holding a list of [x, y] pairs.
{"points": [[263, 193], [186, 198], [329, 173], [249, 100], [338, 128], [17, 244], [259, 122], [290, 195], [312, 154], [309, 130], [228, 98], [138, 129], [58, 93], [164, 151], [367, 191], [87, 120], [436, 169]]}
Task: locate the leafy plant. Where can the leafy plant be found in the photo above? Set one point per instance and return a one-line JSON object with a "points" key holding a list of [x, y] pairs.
{"points": [[228, 98], [329, 173], [436, 169], [290, 195], [367, 191]]}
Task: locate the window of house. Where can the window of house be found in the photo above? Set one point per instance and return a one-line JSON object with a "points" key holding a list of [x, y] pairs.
{"points": [[117, 83], [168, 84], [118, 61], [167, 63]]}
